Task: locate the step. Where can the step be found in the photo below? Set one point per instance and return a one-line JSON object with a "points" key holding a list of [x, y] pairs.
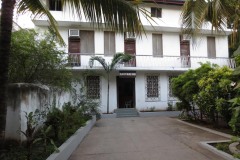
{"points": [[126, 112]]}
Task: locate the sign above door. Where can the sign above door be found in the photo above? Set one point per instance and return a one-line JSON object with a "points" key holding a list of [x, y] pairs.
{"points": [[127, 73]]}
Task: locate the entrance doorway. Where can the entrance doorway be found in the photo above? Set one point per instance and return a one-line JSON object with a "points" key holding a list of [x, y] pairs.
{"points": [[126, 92]]}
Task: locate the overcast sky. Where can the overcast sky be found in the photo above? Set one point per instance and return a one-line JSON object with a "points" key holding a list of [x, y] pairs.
{"points": [[23, 21]]}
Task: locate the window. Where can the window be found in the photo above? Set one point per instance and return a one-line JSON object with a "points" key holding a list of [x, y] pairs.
{"points": [[170, 92], [93, 87], [156, 12], [152, 88], [157, 45], [109, 43], [87, 42], [55, 5], [211, 47]]}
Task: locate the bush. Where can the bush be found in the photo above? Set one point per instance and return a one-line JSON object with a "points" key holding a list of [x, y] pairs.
{"points": [[38, 60]]}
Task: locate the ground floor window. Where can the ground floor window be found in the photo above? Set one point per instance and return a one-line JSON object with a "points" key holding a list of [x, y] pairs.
{"points": [[170, 91], [152, 88], [93, 87]]}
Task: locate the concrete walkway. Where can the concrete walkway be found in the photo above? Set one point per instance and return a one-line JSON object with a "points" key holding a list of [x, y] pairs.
{"points": [[145, 138]]}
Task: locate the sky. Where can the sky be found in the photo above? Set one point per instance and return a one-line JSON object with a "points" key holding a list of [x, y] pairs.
{"points": [[23, 20]]}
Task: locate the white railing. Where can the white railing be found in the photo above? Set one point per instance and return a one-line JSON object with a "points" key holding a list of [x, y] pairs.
{"points": [[149, 61]]}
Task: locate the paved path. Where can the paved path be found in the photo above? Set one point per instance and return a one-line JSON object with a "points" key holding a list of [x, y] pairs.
{"points": [[144, 138]]}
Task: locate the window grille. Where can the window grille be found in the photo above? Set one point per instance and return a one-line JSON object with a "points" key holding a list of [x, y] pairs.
{"points": [[93, 87], [152, 88]]}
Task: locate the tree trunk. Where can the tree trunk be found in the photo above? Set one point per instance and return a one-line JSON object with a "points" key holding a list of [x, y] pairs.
{"points": [[108, 94], [5, 43]]}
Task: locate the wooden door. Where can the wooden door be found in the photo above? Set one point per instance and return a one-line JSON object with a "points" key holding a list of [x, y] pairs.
{"points": [[74, 52], [130, 48], [185, 53]]}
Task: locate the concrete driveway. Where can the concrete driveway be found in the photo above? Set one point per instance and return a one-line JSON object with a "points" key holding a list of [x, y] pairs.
{"points": [[144, 138]]}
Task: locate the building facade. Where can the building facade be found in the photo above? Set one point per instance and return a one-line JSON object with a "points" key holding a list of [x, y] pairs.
{"points": [[159, 55]]}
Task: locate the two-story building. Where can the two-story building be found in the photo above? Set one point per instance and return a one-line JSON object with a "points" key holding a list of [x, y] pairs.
{"points": [[159, 55]]}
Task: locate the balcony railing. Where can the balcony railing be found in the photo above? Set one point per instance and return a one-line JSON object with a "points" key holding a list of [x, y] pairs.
{"points": [[152, 62]]}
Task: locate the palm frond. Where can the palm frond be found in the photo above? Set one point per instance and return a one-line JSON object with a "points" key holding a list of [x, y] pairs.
{"points": [[117, 15], [192, 16], [38, 8], [118, 58], [196, 13], [100, 60]]}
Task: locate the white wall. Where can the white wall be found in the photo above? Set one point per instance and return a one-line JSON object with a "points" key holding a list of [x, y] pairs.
{"points": [[27, 98], [140, 91], [140, 82]]}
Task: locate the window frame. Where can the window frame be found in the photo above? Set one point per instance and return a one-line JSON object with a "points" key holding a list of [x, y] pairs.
{"points": [[152, 98], [90, 84], [57, 5], [211, 47], [110, 37], [87, 42], [156, 12], [170, 95], [158, 52]]}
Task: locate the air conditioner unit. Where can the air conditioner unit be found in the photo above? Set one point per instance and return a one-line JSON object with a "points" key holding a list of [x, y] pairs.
{"points": [[74, 33], [186, 37], [129, 35]]}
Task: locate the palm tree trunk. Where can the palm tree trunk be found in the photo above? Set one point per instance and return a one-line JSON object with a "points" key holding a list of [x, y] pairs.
{"points": [[5, 43], [108, 94]]}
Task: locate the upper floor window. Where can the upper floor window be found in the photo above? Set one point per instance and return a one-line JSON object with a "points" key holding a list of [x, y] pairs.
{"points": [[152, 88], [87, 42], [109, 43], [93, 87], [157, 45], [156, 12], [211, 47], [55, 5]]}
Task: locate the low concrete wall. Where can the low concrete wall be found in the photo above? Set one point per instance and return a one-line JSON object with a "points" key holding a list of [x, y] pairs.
{"points": [[23, 97], [67, 148]]}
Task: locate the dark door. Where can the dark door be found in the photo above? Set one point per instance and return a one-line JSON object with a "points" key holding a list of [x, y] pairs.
{"points": [[130, 48], [74, 46], [185, 49], [126, 92], [185, 54], [74, 51]]}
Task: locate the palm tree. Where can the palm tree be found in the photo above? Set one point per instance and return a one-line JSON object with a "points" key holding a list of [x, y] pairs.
{"points": [[109, 67], [219, 12], [118, 15]]}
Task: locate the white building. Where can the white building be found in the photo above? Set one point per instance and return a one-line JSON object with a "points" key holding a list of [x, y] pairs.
{"points": [[163, 53]]}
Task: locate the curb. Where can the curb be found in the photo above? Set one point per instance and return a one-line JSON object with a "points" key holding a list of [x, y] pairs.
{"points": [[216, 151], [67, 148], [205, 144], [207, 129]]}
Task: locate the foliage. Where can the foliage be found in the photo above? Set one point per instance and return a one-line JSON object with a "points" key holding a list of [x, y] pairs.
{"points": [[205, 92], [45, 132], [219, 13], [65, 122], [117, 58], [38, 60], [185, 86], [223, 146], [215, 89], [235, 120], [33, 122]]}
